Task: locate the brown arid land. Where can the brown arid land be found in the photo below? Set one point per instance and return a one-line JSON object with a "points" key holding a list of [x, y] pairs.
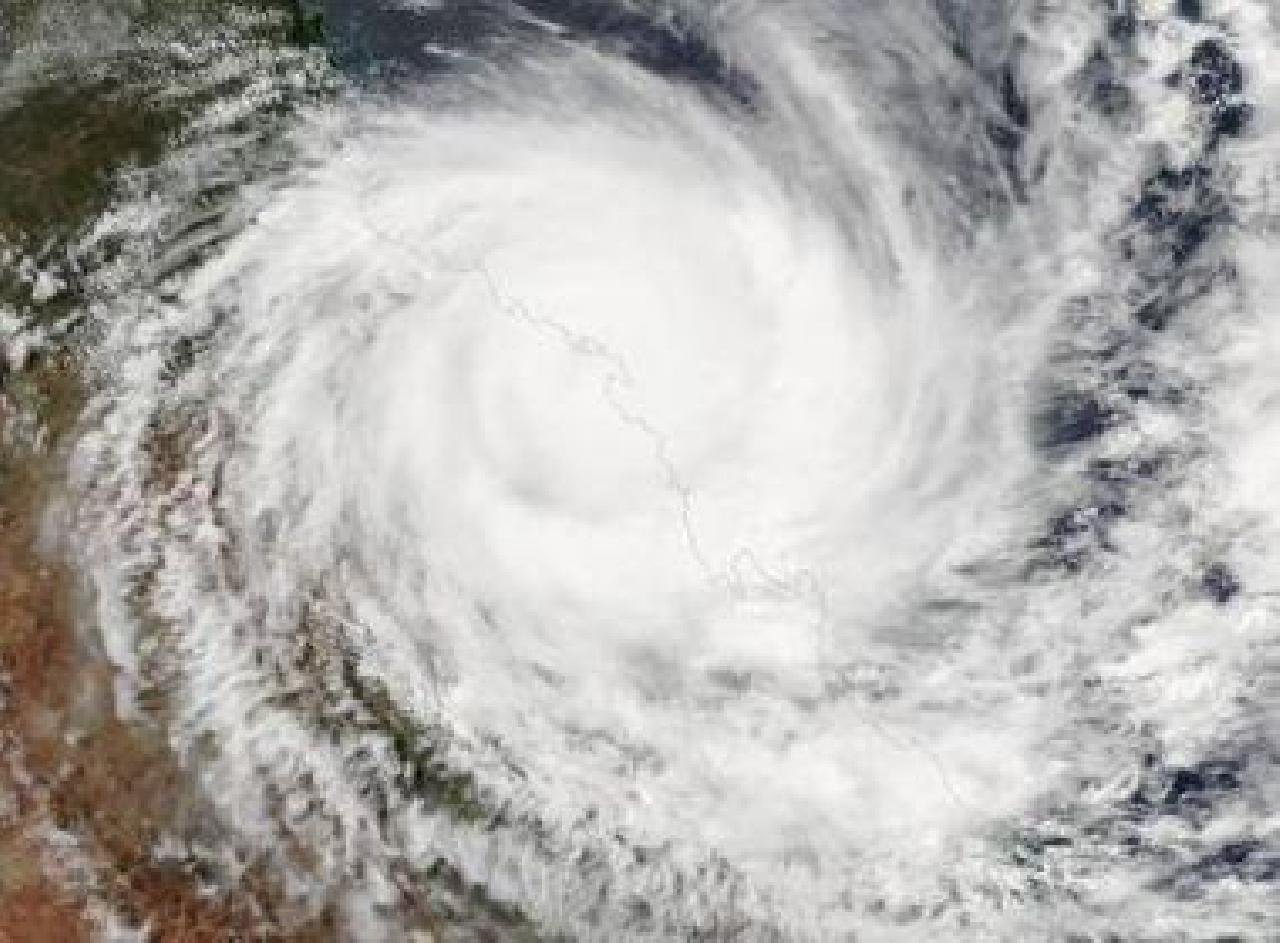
{"points": [[94, 811]]}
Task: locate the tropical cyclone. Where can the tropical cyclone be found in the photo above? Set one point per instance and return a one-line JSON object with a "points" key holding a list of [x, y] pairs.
{"points": [[691, 508]]}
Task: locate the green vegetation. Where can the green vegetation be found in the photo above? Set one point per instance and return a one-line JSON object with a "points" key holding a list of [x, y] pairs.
{"points": [[65, 142]]}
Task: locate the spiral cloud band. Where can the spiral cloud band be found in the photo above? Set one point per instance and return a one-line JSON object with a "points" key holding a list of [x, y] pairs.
{"points": [[690, 514]]}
